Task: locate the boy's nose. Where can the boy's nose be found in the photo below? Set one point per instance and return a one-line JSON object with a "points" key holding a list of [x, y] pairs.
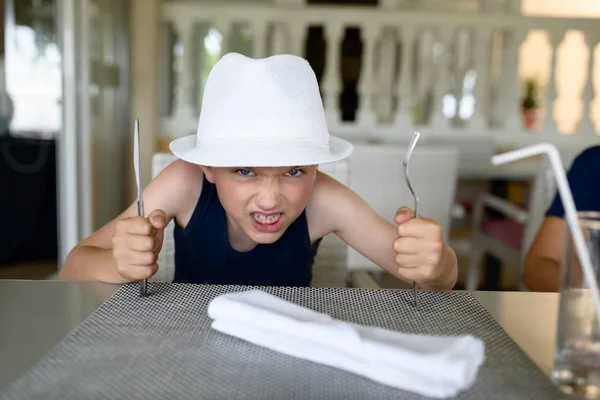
{"points": [[269, 196]]}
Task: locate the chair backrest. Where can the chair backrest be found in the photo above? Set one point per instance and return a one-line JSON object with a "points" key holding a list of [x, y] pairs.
{"points": [[166, 257], [540, 197], [330, 267], [474, 150], [377, 175]]}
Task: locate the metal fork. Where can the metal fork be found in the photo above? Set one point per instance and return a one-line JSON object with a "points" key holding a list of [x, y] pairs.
{"points": [[405, 163]]}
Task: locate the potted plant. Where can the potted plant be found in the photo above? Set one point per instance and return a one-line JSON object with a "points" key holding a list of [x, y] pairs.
{"points": [[530, 105]]}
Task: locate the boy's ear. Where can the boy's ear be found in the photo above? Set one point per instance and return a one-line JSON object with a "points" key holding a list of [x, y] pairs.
{"points": [[208, 172]]}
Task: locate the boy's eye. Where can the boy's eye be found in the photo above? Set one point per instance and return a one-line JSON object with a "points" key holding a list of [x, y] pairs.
{"points": [[295, 172], [244, 172]]}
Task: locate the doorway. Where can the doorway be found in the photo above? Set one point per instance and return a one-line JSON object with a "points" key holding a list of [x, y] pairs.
{"points": [[95, 129], [67, 79]]}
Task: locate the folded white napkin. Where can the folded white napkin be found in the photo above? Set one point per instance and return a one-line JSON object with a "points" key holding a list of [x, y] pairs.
{"points": [[431, 366]]}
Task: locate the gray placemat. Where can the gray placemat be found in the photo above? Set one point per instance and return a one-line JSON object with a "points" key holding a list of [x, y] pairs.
{"points": [[162, 347]]}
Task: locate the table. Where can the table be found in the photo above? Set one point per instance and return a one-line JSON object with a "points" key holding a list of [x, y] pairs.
{"points": [[529, 319], [36, 315]]}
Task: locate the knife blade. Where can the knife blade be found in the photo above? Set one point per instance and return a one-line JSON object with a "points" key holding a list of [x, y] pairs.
{"points": [[138, 182]]}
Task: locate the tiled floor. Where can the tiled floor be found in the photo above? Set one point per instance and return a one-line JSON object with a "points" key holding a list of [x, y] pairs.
{"points": [[31, 270], [508, 278], [45, 270]]}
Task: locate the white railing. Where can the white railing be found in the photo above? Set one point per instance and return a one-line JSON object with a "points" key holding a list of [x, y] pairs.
{"points": [[461, 81]]}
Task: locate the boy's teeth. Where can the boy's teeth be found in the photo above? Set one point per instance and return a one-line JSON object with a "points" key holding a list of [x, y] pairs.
{"points": [[266, 219]]}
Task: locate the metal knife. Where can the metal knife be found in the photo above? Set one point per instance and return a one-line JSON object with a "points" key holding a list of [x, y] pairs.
{"points": [[138, 181]]}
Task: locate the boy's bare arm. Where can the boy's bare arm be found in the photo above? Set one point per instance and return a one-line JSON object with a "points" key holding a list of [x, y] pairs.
{"points": [[174, 191], [542, 262], [419, 255]]}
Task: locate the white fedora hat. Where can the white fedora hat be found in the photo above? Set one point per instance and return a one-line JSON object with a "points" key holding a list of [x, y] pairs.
{"points": [[261, 113]]}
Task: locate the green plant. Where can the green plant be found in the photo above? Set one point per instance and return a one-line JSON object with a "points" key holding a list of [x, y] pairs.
{"points": [[531, 99]]}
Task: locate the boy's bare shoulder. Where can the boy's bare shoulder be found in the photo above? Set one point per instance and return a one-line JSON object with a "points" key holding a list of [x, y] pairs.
{"points": [[181, 173], [327, 189], [179, 183], [329, 199]]}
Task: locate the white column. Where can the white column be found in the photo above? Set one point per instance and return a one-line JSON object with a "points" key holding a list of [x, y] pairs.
{"points": [[259, 39], [68, 151], [482, 58], [332, 82], [511, 101], [404, 88], [297, 36], [439, 121], [366, 83], [586, 126], [144, 22], [184, 89], [550, 94]]}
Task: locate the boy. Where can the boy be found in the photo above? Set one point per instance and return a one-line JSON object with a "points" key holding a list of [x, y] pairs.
{"points": [[248, 201], [542, 264]]}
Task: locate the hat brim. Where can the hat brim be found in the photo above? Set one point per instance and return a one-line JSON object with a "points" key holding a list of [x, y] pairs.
{"points": [[259, 154]]}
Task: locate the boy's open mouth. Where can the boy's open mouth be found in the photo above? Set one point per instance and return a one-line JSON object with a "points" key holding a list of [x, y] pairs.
{"points": [[267, 223], [266, 219]]}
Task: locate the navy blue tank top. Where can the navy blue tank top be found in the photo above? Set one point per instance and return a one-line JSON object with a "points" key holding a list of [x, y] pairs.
{"points": [[583, 178], [204, 255]]}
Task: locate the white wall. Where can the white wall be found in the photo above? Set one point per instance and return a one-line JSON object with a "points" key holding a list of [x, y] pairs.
{"points": [[144, 26]]}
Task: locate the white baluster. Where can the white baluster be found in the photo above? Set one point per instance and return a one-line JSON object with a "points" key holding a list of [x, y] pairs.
{"points": [[586, 126], [279, 38], [550, 96], [461, 64], [224, 27], [511, 103], [259, 39], [390, 4], [297, 36], [331, 77], [440, 122], [424, 75], [366, 82], [290, 3], [514, 7], [184, 89], [482, 58], [404, 88], [385, 76]]}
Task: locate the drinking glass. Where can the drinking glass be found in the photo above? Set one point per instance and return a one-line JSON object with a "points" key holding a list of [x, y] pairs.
{"points": [[577, 357]]}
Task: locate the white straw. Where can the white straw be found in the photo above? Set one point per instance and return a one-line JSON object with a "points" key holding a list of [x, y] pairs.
{"points": [[568, 204]]}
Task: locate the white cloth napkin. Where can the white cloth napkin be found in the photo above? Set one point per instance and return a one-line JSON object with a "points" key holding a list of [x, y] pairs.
{"points": [[431, 366]]}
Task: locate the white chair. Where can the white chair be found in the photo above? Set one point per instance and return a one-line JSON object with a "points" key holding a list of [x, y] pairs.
{"points": [[377, 176], [508, 238], [330, 263], [166, 257], [475, 150]]}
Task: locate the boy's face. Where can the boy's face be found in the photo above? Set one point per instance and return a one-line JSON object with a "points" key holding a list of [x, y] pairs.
{"points": [[264, 201]]}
